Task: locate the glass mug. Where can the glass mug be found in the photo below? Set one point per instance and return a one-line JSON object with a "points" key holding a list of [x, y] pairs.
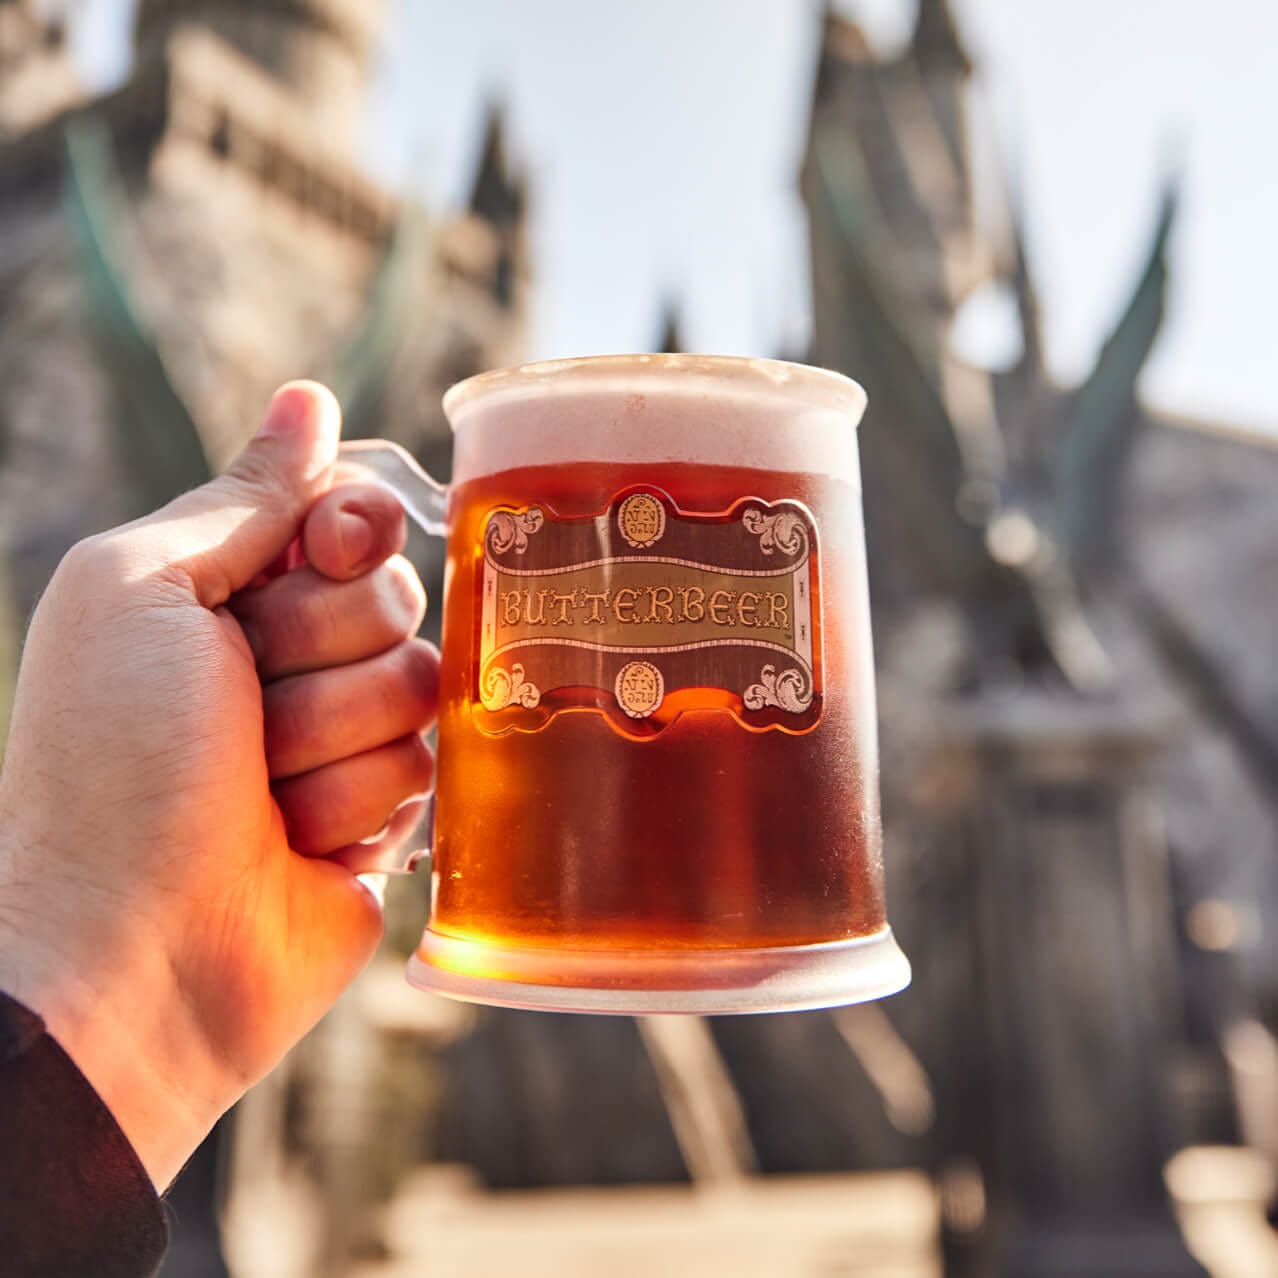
{"points": [[657, 786]]}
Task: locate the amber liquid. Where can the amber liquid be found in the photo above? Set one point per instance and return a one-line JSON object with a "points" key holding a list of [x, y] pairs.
{"points": [[707, 836]]}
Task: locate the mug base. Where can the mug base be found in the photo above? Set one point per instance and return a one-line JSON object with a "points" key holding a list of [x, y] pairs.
{"points": [[653, 982]]}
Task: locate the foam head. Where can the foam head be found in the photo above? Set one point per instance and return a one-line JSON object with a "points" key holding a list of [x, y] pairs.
{"points": [[706, 409]]}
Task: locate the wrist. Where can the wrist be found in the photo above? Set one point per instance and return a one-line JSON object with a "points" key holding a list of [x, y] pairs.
{"points": [[114, 1006]]}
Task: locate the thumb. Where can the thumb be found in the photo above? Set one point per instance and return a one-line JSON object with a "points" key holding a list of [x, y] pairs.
{"points": [[222, 534]]}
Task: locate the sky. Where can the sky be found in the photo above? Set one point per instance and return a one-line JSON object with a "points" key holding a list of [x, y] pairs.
{"points": [[663, 138]]}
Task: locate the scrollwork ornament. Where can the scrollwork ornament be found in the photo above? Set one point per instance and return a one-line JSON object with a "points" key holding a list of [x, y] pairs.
{"points": [[508, 530], [789, 690], [783, 531], [500, 688]]}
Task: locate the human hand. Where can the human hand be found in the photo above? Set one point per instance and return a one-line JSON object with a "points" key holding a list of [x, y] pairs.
{"points": [[197, 740]]}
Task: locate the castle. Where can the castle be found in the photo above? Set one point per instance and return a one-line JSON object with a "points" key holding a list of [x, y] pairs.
{"points": [[1089, 577], [1164, 522]]}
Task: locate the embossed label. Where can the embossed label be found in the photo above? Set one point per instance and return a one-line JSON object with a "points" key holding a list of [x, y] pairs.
{"points": [[645, 611]]}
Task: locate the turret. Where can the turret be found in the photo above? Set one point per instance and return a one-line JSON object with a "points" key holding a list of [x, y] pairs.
{"points": [[670, 339], [892, 132], [498, 197]]}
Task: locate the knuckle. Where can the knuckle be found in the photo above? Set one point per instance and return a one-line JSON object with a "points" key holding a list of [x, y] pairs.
{"points": [[421, 660], [318, 621], [106, 574], [253, 473], [401, 594], [94, 560], [419, 666]]}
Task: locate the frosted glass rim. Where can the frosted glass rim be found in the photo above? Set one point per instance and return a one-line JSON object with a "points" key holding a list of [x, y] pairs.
{"points": [[821, 387]]}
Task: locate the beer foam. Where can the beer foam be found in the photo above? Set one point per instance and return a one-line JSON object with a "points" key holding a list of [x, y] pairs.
{"points": [[705, 409]]}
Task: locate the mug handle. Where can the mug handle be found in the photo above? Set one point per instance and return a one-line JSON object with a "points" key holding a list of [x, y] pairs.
{"points": [[425, 502]]}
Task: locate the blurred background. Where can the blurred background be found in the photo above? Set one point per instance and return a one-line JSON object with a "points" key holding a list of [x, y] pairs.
{"points": [[1040, 234]]}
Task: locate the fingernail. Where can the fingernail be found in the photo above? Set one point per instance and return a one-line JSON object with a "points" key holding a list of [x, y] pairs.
{"points": [[354, 537], [288, 410]]}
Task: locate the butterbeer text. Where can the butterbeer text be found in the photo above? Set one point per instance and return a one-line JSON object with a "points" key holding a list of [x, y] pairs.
{"points": [[660, 605]]}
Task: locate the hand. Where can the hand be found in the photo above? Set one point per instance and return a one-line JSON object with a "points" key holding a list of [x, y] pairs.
{"points": [[197, 740]]}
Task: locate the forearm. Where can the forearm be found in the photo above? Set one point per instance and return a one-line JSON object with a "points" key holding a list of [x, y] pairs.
{"points": [[74, 1198], [134, 1062], [111, 1004]]}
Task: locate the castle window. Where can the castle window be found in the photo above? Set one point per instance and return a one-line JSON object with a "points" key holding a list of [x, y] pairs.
{"points": [[220, 141]]}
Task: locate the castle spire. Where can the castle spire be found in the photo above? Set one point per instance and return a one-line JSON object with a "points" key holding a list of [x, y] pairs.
{"points": [[843, 44], [936, 44], [497, 193], [497, 197], [670, 339], [844, 38]]}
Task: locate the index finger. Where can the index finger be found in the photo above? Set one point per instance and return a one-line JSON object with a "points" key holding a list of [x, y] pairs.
{"points": [[352, 528]]}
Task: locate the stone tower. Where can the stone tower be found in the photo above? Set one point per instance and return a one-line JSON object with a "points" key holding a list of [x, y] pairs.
{"points": [[889, 134], [251, 244], [320, 51], [938, 52], [897, 128]]}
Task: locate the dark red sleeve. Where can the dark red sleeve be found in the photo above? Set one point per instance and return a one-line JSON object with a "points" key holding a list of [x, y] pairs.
{"points": [[74, 1199]]}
